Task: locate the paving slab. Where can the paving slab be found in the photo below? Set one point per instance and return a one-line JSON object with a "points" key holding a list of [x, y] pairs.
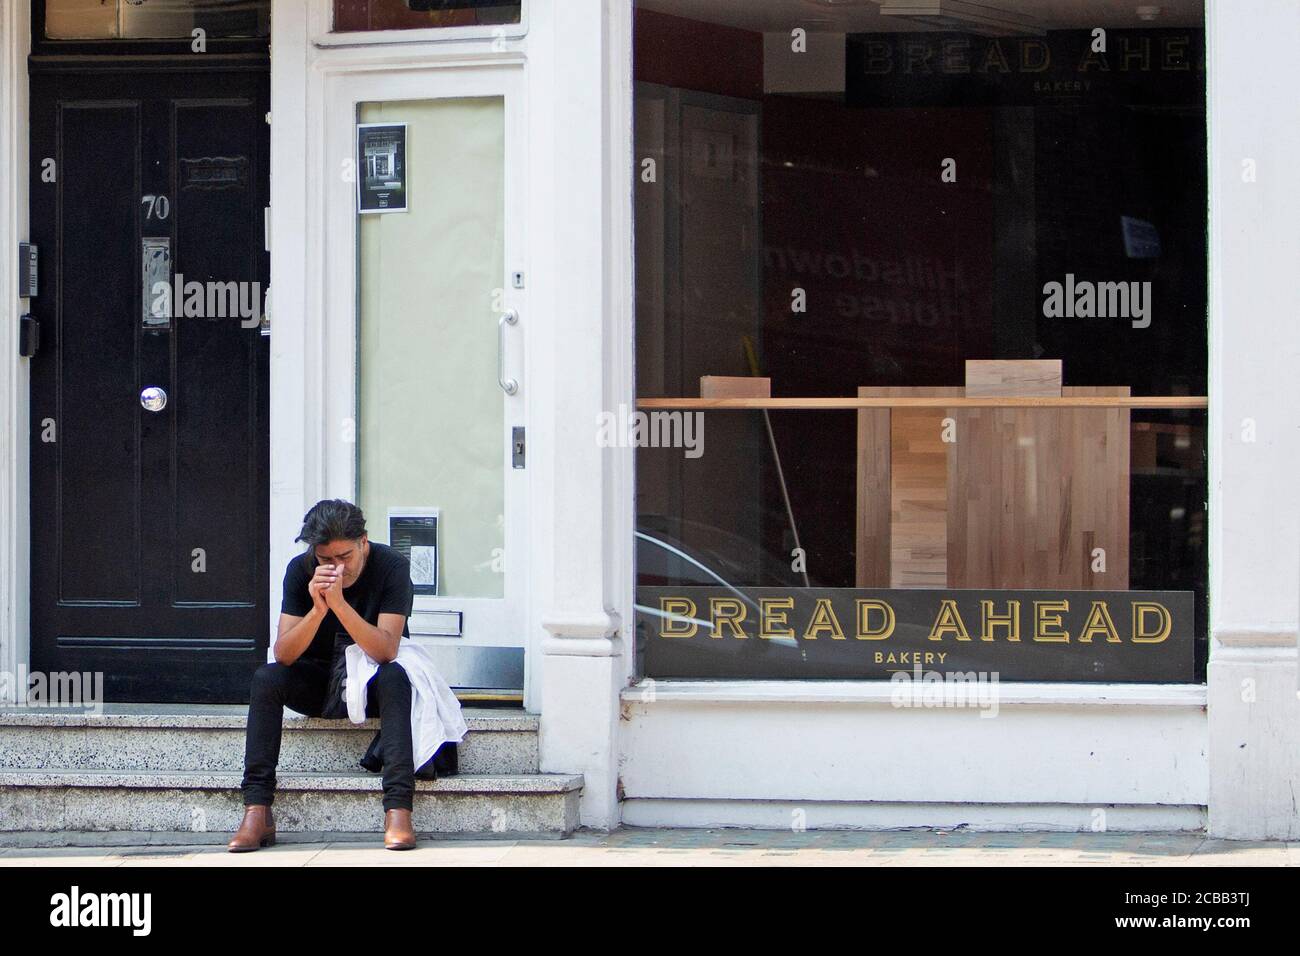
{"points": [[637, 847]]}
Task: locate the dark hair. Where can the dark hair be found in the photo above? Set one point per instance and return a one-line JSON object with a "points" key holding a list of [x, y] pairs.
{"points": [[332, 520]]}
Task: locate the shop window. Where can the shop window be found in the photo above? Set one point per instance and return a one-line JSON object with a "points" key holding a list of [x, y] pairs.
{"points": [[155, 19], [361, 15], [921, 346]]}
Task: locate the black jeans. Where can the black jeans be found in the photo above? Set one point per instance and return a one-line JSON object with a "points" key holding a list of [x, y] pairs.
{"points": [[302, 685]]}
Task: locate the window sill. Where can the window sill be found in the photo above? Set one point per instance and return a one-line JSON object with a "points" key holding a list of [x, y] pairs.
{"points": [[512, 32], [1009, 694]]}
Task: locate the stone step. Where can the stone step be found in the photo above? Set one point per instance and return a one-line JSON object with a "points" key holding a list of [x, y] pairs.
{"points": [[55, 804], [211, 739]]}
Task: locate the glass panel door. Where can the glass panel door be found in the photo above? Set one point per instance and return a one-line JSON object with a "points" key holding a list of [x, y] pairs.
{"points": [[440, 366]]}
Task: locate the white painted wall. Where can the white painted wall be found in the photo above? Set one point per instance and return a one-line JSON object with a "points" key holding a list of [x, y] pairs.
{"points": [[839, 754]]}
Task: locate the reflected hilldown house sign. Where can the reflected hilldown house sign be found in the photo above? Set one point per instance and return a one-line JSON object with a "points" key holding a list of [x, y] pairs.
{"points": [[850, 633]]}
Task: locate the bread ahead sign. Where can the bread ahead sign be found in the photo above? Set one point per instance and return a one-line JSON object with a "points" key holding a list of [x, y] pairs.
{"points": [[850, 633]]}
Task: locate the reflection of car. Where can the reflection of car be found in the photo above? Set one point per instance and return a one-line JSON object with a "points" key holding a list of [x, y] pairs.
{"points": [[678, 551], [673, 552]]}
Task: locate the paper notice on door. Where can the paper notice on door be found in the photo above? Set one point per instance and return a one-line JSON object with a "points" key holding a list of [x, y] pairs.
{"points": [[424, 565], [414, 533], [381, 162]]}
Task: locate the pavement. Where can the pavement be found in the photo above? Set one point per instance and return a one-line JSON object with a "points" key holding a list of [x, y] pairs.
{"points": [[638, 847]]}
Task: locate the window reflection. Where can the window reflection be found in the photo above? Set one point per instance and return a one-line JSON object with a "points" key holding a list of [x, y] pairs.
{"points": [[350, 15], [155, 19]]}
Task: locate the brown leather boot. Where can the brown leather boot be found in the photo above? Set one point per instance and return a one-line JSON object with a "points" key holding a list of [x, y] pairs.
{"points": [[257, 829], [398, 832]]}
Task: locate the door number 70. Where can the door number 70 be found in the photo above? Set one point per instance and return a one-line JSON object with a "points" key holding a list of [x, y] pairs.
{"points": [[158, 207]]}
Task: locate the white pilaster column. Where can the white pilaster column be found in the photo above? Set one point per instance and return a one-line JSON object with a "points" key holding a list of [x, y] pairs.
{"points": [[1254, 129], [296, 329], [580, 88]]}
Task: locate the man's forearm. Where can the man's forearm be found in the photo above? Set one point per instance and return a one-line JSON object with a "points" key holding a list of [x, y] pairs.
{"points": [[290, 645], [375, 641]]}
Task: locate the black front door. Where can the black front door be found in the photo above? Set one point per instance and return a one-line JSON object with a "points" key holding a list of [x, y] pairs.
{"points": [[149, 418]]}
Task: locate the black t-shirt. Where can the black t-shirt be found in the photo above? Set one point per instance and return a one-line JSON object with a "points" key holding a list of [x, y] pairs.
{"points": [[384, 587]]}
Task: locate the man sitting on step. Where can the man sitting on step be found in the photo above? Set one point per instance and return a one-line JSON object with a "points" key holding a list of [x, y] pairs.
{"points": [[343, 589]]}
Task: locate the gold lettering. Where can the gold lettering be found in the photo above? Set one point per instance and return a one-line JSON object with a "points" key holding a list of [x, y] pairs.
{"points": [[1140, 611], [949, 619], [865, 633], [725, 610], [1099, 622], [1092, 58], [880, 58], [989, 620], [1142, 54], [993, 56], [1043, 620], [1028, 64], [824, 619], [918, 54], [1175, 57], [956, 56], [678, 617], [767, 607]]}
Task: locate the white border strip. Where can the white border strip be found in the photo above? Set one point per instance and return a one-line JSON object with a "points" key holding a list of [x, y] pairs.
{"points": [[879, 815], [651, 691]]}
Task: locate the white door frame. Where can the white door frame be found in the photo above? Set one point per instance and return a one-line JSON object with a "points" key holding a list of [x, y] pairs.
{"points": [[577, 61], [15, 565], [487, 621], [317, 80]]}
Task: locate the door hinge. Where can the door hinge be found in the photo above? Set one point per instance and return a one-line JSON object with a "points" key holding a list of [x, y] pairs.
{"points": [[518, 446], [29, 336]]}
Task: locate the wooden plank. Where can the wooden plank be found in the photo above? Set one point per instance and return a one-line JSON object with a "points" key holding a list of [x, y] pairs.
{"points": [[901, 492], [918, 489], [872, 544], [1100, 493], [1039, 378], [735, 386], [828, 404], [1033, 490]]}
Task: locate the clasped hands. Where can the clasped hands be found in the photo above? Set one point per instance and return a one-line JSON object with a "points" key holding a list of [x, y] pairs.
{"points": [[326, 587]]}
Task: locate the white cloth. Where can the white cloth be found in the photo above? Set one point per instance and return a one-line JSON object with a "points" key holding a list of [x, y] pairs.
{"points": [[435, 711]]}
